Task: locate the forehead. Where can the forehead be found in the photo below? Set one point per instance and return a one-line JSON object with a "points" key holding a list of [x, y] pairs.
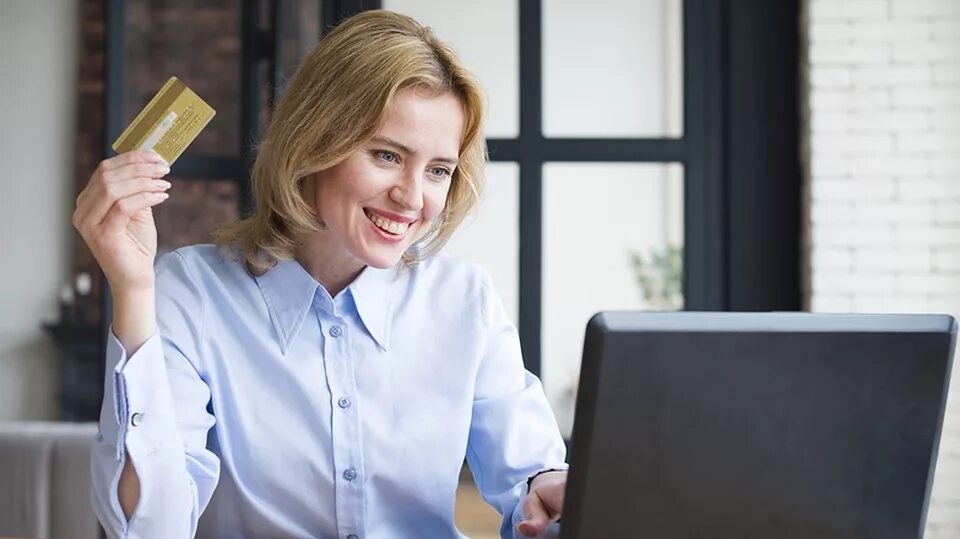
{"points": [[426, 122]]}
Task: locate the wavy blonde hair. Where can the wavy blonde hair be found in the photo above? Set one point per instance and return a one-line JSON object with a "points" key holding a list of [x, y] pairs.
{"points": [[336, 102]]}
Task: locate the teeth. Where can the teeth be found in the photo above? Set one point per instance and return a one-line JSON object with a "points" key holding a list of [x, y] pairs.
{"points": [[392, 227]]}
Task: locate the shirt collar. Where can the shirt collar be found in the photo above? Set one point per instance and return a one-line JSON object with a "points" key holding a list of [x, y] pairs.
{"points": [[289, 292], [373, 294]]}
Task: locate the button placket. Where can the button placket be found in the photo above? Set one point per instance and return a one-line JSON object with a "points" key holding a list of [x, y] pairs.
{"points": [[344, 428]]}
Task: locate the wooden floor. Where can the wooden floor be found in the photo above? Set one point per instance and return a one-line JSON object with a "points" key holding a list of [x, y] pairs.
{"points": [[473, 516]]}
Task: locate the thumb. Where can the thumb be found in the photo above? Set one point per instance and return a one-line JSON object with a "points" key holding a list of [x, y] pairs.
{"points": [[536, 517]]}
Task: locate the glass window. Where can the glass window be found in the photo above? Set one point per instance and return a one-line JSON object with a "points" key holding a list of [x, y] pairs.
{"points": [[612, 68], [298, 34], [490, 236], [612, 239], [485, 36]]}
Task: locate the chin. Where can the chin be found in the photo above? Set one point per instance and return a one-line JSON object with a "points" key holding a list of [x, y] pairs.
{"points": [[383, 259], [380, 263]]}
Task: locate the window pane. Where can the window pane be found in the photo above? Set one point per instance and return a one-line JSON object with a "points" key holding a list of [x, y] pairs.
{"points": [[195, 208], [199, 42], [490, 236], [612, 68], [612, 235], [485, 35], [298, 34]]}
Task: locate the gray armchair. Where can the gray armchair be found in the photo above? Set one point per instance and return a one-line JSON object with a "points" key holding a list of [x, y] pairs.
{"points": [[45, 480]]}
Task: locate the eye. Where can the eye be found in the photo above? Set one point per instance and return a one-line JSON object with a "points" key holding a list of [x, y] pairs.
{"points": [[440, 173], [387, 156]]}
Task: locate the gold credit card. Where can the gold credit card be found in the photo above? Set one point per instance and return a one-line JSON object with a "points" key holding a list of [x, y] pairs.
{"points": [[169, 122]]}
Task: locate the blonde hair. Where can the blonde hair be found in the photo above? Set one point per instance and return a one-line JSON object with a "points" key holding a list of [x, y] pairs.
{"points": [[334, 103]]}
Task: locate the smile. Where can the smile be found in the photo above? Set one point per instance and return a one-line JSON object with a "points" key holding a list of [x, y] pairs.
{"points": [[391, 227]]}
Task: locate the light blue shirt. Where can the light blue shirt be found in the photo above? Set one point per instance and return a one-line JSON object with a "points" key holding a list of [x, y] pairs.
{"points": [[274, 410]]}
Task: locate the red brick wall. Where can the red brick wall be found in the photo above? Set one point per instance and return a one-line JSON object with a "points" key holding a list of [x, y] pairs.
{"points": [[88, 141], [200, 43]]}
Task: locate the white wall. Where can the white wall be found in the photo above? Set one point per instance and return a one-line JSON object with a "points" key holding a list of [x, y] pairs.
{"points": [[38, 39], [884, 118]]}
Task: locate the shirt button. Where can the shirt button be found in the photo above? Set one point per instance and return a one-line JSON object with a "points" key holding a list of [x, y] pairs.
{"points": [[349, 474], [343, 403], [336, 331], [136, 419]]}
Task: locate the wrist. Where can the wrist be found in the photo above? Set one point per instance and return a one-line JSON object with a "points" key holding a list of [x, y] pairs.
{"points": [[132, 295], [134, 317], [545, 476]]}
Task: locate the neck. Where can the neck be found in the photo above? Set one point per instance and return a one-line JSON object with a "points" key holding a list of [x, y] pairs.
{"points": [[328, 262]]}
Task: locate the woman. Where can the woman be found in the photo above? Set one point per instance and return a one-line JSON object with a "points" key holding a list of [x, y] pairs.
{"points": [[321, 371]]}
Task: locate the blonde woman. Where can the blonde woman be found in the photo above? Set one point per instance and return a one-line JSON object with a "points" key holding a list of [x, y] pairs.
{"points": [[321, 371]]}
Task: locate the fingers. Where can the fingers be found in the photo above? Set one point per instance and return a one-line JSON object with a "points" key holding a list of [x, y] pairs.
{"points": [[115, 169], [537, 517], [132, 157], [121, 212], [106, 186], [113, 212], [117, 191], [103, 178]]}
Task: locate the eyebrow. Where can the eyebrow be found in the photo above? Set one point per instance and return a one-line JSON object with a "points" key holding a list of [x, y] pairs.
{"points": [[406, 149]]}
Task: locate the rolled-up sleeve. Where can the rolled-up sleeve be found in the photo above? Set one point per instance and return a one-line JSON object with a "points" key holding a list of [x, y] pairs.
{"points": [[513, 433], [155, 412]]}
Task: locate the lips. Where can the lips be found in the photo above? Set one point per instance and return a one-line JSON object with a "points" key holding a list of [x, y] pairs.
{"points": [[390, 216], [394, 227]]}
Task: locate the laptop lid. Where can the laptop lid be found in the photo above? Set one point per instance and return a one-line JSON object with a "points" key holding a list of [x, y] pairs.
{"points": [[757, 425]]}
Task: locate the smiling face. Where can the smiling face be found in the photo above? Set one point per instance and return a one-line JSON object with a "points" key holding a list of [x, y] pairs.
{"points": [[384, 196]]}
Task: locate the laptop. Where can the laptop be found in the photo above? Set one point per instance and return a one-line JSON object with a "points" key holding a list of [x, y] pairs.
{"points": [[757, 425]]}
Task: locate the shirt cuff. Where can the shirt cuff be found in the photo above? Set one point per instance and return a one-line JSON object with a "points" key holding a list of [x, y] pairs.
{"points": [[534, 476], [144, 411]]}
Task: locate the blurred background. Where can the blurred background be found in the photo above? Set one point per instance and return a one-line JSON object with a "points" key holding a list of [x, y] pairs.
{"points": [[645, 154]]}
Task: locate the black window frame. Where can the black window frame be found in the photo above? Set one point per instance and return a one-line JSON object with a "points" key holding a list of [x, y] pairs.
{"points": [[740, 149]]}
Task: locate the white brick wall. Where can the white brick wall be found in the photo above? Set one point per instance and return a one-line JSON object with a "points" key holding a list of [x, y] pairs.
{"points": [[884, 173]]}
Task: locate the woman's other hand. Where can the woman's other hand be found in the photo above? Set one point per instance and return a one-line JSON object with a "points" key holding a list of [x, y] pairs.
{"points": [[544, 504]]}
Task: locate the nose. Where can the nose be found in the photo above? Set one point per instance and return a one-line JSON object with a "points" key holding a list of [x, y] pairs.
{"points": [[408, 191]]}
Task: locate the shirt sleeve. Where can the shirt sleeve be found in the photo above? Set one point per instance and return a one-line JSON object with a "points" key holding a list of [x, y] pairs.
{"points": [[513, 433], [155, 412]]}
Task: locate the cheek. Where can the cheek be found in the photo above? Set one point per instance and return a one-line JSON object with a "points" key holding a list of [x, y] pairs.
{"points": [[434, 200], [338, 190]]}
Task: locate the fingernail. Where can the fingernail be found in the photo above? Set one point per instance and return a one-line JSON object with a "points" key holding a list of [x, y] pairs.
{"points": [[165, 184]]}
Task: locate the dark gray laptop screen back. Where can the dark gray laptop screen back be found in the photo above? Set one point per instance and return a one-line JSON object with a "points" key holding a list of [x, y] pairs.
{"points": [[697, 425]]}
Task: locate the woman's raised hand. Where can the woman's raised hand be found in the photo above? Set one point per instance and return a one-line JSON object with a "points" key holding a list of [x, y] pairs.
{"points": [[115, 218]]}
